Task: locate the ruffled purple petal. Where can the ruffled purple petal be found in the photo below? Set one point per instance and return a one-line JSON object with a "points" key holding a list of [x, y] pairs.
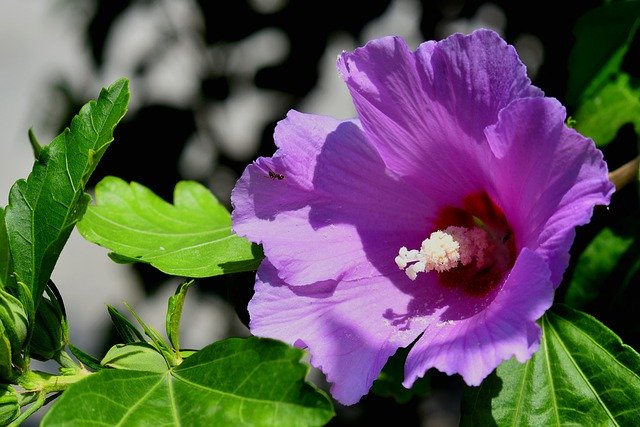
{"points": [[547, 177], [474, 346], [431, 107], [347, 327], [324, 219], [474, 77]]}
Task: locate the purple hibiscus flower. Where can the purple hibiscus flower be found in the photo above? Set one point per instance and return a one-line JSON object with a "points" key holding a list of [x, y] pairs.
{"points": [[440, 218]]}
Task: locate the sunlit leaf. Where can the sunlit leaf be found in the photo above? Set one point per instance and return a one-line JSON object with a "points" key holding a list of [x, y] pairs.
{"points": [[607, 110], [174, 313], [582, 375], [44, 208], [256, 382], [191, 238]]}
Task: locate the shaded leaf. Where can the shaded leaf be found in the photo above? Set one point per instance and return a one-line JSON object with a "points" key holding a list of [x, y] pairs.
{"points": [[611, 259], [6, 280], [192, 238], [139, 356], [85, 358], [389, 382], [582, 375], [127, 330], [603, 36], [257, 382], [44, 208]]}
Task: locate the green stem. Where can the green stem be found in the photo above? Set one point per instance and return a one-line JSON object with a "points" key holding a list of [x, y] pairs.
{"points": [[35, 145], [48, 383]]}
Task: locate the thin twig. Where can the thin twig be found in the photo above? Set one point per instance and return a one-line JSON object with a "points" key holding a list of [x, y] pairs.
{"points": [[625, 173]]}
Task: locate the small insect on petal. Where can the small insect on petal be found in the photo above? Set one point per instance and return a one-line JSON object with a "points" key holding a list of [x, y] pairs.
{"points": [[275, 176]]}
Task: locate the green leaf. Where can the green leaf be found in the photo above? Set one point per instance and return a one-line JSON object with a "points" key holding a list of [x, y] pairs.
{"points": [[172, 357], [192, 238], [603, 36], [389, 382], [6, 279], [614, 105], [253, 381], [139, 356], [5, 354], [127, 330], [44, 208], [610, 259], [582, 375], [85, 358], [174, 312]]}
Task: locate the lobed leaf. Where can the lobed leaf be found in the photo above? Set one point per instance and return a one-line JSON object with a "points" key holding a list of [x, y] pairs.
{"points": [[44, 208], [253, 381], [191, 238], [582, 375]]}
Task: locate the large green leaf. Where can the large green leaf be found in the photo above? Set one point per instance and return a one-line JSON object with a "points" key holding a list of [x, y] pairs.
{"points": [[235, 382], [582, 375], [603, 36], [191, 238], [44, 208], [608, 109]]}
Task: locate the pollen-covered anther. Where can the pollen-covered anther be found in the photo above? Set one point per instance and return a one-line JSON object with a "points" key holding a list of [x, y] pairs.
{"points": [[444, 250]]}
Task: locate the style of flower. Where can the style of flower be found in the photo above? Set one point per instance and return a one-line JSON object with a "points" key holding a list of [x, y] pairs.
{"points": [[441, 218]]}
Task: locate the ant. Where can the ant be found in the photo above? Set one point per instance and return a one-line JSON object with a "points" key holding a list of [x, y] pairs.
{"points": [[275, 176]]}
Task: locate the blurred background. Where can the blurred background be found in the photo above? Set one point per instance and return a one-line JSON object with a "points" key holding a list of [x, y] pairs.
{"points": [[209, 80]]}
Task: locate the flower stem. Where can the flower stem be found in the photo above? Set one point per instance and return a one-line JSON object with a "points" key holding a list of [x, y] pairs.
{"points": [[49, 383], [625, 173]]}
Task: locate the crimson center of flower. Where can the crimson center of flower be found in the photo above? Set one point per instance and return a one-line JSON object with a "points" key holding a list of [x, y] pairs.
{"points": [[472, 248]]}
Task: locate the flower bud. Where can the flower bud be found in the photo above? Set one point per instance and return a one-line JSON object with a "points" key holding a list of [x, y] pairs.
{"points": [[5, 355], [50, 334], [14, 319], [9, 404]]}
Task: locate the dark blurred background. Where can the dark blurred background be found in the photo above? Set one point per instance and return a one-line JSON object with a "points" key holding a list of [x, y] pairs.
{"points": [[209, 80]]}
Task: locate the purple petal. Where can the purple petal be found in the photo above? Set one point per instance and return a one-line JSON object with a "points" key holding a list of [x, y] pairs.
{"points": [[547, 178], [430, 106], [345, 325], [476, 345], [324, 219], [474, 77]]}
